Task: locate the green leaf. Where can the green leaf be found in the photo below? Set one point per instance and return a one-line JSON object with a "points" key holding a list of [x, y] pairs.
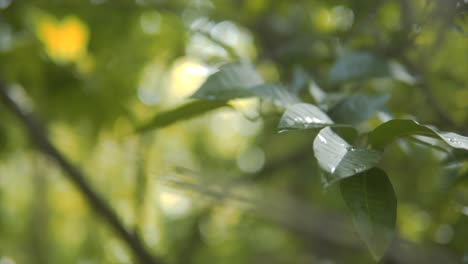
{"points": [[358, 108], [278, 95], [240, 80], [303, 116], [183, 112], [317, 93], [231, 81], [393, 129], [358, 66], [325, 101], [372, 201], [339, 159]]}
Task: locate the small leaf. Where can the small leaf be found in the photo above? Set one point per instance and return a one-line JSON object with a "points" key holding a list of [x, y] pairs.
{"points": [[372, 201], [339, 159], [317, 93], [231, 81], [358, 108], [303, 116], [358, 66], [183, 112], [393, 129], [240, 80]]}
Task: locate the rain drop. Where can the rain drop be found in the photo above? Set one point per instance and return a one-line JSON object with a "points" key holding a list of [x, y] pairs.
{"points": [[452, 140], [298, 120], [358, 170], [321, 138], [352, 149]]}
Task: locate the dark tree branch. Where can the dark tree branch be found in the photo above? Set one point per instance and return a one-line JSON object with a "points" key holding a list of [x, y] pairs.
{"points": [[77, 177]]}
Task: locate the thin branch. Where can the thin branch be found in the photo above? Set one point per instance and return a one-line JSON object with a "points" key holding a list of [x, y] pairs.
{"points": [[77, 177], [426, 91]]}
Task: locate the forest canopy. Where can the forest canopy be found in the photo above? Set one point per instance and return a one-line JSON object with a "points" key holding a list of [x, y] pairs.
{"points": [[249, 131]]}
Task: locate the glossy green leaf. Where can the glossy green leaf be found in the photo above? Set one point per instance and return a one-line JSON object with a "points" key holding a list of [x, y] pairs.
{"points": [[183, 112], [303, 116], [231, 81], [372, 201], [393, 129], [339, 159], [357, 108], [240, 80], [358, 66]]}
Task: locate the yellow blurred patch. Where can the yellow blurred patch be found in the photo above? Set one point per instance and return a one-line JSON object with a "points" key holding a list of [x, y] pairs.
{"points": [[412, 222], [323, 21], [64, 41], [338, 18], [187, 75], [425, 37], [255, 6]]}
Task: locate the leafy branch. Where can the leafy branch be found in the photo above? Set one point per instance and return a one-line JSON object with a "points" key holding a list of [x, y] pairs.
{"points": [[366, 189]]}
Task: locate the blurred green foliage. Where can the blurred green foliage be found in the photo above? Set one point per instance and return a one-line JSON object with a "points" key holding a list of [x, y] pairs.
{"points": [[224, 187]]}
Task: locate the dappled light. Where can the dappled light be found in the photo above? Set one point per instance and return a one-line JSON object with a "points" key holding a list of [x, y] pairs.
{"points": [[186, 76], [173, 203], [150, 22], [335, 18], [210, 40], [224, 131]]}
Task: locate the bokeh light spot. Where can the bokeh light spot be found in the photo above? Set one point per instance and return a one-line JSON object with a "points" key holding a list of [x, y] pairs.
{"points": [[150, 22], [7, 260], [251, 160], [187, 75], [4, 4], [173, 204], [64, 41], [444, 234]]}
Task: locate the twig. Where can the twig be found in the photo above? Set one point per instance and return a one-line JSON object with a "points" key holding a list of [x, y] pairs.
{"points": [[77, 177]]}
